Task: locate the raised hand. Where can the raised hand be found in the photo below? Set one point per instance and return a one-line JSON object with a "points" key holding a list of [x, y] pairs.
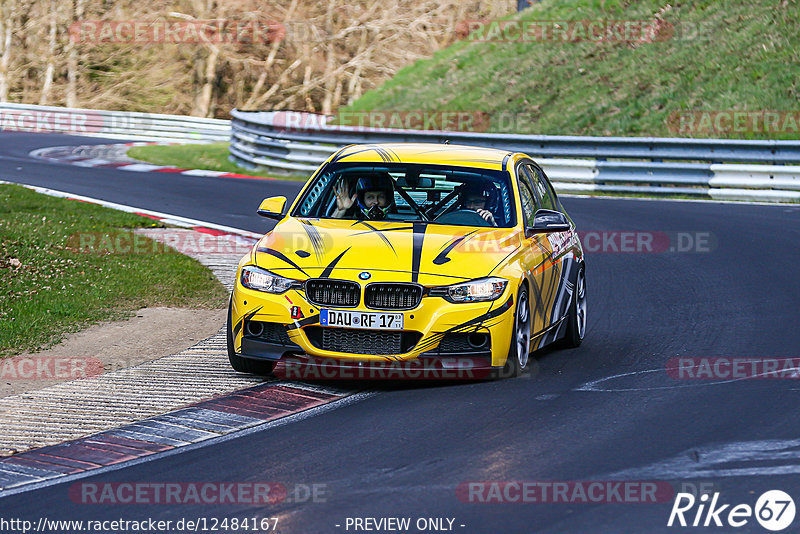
{"points": [[343, 201]]}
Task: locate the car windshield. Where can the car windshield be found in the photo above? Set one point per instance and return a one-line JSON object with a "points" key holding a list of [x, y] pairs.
{"points": [[410, 192]]}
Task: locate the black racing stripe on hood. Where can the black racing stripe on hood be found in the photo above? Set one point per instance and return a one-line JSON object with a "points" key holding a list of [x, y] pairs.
{"points": [[382, 153], [282, 257], [391, 229], [442, 258], [392, 154], [399, 271], [315, 238], [348, 154], [329, 269], [416, 251], [503, 260], [380, 234]]}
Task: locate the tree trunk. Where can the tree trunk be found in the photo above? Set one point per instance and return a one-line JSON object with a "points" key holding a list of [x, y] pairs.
{"points": [[208, 69], [309, 106], [6, 29], [51, 57], [262, 78], [203, 102], [72, 58], [330, 58]]}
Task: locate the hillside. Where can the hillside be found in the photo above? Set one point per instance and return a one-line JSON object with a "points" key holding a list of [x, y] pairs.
{"points": [[705, 61]]}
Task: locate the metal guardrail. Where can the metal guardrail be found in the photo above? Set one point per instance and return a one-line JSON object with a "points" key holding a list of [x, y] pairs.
{"points": [[128, 125], [299, 142]]}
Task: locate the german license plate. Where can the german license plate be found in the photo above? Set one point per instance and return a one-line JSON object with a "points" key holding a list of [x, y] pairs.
{"points": [[359, 319]]}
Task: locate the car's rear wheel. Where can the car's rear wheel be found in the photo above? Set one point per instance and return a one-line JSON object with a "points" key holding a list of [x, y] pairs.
{"points": [[576, 320], [519, 352], [245, 365]]}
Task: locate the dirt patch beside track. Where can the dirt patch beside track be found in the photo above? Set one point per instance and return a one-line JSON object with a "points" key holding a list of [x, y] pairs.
{"points": [[148, 335]]}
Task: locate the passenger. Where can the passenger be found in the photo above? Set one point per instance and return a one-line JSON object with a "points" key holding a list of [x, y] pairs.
{"points": [[373, 199]]}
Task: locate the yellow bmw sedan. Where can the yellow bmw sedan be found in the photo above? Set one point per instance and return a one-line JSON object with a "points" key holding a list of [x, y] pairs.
{"points": [[412, 253]]}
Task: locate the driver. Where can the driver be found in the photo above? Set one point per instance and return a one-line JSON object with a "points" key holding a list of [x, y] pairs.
{"points": [[479, 198], [373, 199]]}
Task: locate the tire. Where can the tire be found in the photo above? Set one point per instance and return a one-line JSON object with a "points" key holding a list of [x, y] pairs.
{"points": [[576, 321], [519, 351], [245, 365]]}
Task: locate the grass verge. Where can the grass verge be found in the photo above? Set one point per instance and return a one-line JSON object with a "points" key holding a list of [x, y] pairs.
{"points": [[211, 156], [51, 288]]}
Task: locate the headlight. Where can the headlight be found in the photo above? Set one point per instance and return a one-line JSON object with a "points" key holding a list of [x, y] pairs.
{"points": [[481, 290], [261, 280]]}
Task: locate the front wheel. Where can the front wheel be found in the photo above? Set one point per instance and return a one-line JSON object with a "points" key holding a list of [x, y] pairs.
{"points": [[576, 321], [520, 350], [245, 365]]}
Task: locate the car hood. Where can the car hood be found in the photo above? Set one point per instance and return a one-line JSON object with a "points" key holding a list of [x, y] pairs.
{"points": [[428, 254]]}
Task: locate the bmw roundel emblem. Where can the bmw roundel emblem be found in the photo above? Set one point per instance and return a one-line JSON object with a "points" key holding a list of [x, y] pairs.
{"points": [[364, 276]]}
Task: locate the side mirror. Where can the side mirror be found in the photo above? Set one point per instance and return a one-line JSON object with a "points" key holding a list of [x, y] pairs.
{"points": [[272, 207], [548, 221]]}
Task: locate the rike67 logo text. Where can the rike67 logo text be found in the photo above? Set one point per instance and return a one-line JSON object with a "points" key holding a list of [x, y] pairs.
{"points": [[774, 510]]}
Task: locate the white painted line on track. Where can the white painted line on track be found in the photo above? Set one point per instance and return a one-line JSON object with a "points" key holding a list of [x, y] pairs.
{"points": [[94, 162], [594, 385], [719, 461], [203, 172], [142, 167]]}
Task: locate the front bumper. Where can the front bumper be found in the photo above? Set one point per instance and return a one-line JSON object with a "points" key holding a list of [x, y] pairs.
{"points": [[436, 328]]}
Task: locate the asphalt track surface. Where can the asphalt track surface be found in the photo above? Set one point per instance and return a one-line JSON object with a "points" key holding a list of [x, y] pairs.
{"points": [[403, 451]]}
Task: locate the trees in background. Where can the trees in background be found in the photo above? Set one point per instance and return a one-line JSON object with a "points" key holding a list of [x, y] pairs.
{"points": [[314, 56]]}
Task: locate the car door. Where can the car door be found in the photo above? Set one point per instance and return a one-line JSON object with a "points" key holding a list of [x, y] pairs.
{"points": [[561, 264], [537, 259]]}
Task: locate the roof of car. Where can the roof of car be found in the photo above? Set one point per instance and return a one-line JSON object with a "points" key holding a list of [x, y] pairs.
{"points": [[426, 153]]}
